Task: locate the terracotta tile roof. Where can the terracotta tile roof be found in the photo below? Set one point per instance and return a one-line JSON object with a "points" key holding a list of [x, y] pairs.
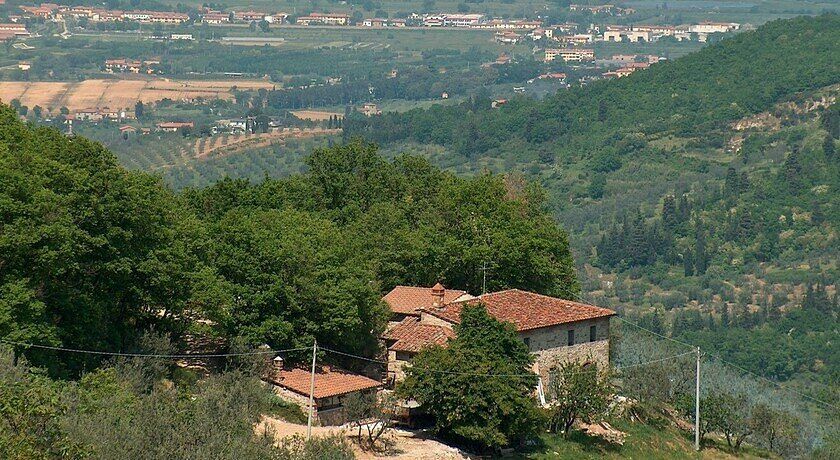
{"points": [[408, 299], [526, 310], [411, 336], [329, 381]]}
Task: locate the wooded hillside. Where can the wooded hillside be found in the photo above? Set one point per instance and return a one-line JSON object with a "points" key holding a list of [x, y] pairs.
{"points": [[94, 254], [701, 194]]}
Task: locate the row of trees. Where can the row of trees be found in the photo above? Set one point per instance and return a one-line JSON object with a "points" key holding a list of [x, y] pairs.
{"points": [[411, 83], [75, 57]]}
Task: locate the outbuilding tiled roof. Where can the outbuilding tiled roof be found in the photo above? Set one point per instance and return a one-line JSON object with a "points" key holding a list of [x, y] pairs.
{"points": [[408, 299], [329, 381], [526, 310], [411, 336]]}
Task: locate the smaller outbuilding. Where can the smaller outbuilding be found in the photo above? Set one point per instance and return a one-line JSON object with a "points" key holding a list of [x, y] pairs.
{"points": [[332, 387]]}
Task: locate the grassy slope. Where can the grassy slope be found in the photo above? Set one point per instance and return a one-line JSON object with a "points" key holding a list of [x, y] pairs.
{"points": [[643, 441]]}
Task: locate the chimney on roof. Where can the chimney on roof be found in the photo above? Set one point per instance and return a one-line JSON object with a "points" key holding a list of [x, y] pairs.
{"points": [[437, 293]]}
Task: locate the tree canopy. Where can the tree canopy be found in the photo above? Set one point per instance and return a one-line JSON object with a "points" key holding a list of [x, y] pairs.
{"points": [[488, 403], [95, 254]]}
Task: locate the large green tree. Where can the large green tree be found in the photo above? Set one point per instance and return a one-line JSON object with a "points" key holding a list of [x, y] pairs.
{"points": [[92, 253], [479, 387], [309, 256], [411, 223]]}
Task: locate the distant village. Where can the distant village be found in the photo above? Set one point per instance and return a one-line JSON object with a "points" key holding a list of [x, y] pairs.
{"points": [[569, 44], [563, 33]]}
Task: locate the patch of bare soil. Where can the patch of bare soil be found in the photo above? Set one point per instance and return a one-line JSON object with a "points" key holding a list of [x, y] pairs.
{"points": [[402, 444]]}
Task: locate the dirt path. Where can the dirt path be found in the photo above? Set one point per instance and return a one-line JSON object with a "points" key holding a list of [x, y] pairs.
{"points": [[241, 142], [408, 445]]}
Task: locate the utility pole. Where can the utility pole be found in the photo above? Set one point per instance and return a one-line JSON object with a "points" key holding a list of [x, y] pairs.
{"points": [[484, 277], [311, 392], [697, 404]]}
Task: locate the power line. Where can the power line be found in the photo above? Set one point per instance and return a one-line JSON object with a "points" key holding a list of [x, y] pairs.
{"points": [[776, 384], [653, 361], [655, 333], [723, 361], [579, 298], [477, 374], [148, 355], [330, 350]]}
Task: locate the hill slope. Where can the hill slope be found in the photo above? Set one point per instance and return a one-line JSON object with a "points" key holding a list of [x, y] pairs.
{"points": [[571, 138], [701, 194]]}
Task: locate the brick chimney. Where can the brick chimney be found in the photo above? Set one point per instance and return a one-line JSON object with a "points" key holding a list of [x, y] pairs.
{"points": [[437, 294], [278, 363]]}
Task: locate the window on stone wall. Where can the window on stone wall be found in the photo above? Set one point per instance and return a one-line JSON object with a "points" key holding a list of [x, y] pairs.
{"points": [[528, 342], [571, 337], [592, 333]]}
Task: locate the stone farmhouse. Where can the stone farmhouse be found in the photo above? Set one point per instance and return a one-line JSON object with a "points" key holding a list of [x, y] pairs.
{"points": [[555, 330], [332, 387]]}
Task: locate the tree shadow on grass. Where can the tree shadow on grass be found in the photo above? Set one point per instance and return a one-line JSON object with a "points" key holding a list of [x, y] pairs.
{"points": [[592, 444]]}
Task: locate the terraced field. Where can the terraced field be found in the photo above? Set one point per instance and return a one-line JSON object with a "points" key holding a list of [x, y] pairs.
{"points": [[119, 93], [200, 161]]}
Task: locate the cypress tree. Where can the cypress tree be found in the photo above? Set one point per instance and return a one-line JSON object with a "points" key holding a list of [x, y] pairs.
{"points": [[831, 121], [817, 216], [731, 186], [688, 263], [700, 260], [792, 170], [744, 182], [639, 242], [745, 225], [602, 110], [828, 147], [684, 208], [724, 317], [669, 212]]}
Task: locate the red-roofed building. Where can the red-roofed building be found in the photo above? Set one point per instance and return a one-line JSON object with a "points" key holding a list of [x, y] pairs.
{"points": [[555, 330], [174, 126], [330, 19], [14, 30], [332, 386], [526, 310], [406, 338], [409, 300]]}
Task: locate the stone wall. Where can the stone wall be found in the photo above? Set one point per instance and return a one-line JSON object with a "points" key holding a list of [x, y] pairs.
{"points": [[291, 396], [550, 345], [427, 318], [396, 367]]}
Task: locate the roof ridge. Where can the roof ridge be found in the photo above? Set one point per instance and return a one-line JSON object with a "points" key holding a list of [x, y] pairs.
{"points": [[545, 296], [500, 292]]}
